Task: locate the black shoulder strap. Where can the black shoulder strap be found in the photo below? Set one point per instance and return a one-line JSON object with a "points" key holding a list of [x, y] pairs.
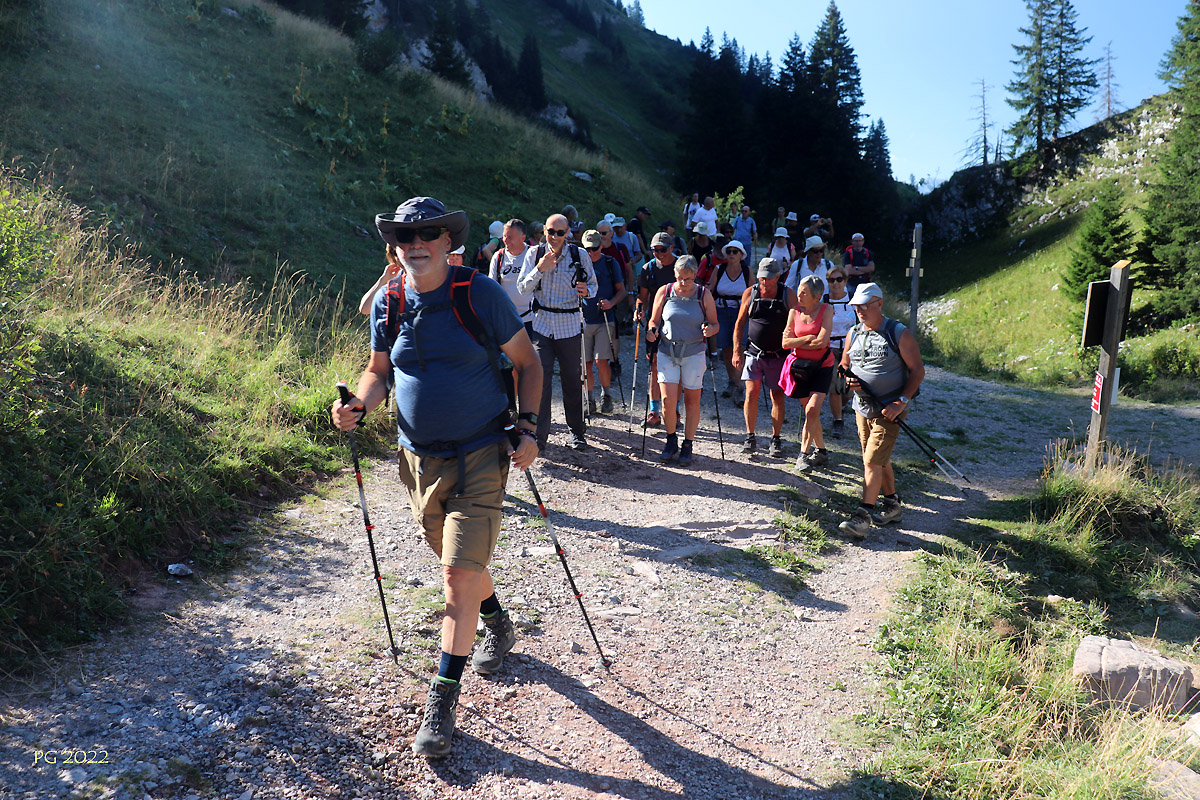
{"points": [[395, 307], [464, 311]]}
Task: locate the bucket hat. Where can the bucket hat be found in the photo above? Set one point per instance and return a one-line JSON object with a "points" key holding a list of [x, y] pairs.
{"points": [[423, 212]]}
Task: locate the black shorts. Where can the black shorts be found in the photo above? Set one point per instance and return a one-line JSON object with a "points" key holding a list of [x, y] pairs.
{"points": [[815, 381]]}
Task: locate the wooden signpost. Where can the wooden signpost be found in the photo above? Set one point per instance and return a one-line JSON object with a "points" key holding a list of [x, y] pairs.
{"points": [[915, 272], [1104, 324]]}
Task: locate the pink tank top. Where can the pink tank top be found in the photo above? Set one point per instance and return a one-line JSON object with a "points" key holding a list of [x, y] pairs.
{"points": [[810, 329]]}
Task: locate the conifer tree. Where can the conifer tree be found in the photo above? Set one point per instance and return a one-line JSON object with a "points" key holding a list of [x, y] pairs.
{"points": [[444, 58], [529, 74], [1072, 77], [875, 150], [1104, 240], [834, 69], [1030, 88], [1170, 245]]}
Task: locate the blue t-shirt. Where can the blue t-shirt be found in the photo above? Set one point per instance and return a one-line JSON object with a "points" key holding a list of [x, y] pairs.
{"points": [[456, 395], [608, 275], [744, 230]]}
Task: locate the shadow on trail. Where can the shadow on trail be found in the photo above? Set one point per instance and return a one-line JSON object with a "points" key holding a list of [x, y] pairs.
{"points": [[699, 776]]}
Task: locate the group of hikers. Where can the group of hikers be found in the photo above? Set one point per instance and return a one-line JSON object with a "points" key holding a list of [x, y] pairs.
{"points": [[471, 360]]}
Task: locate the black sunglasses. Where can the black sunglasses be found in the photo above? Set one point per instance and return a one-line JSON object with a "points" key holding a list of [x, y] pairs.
{"points": [[555, 232], [837, 280], [591, 249], [406, 235], [660, 249]]}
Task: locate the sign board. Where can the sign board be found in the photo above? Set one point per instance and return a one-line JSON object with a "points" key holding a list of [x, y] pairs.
{"points": [[1097, 391], [1095, 313]]}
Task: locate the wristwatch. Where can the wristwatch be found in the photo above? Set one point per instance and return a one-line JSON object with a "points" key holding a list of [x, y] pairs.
{"points": [[527, 416], [903, 399]]}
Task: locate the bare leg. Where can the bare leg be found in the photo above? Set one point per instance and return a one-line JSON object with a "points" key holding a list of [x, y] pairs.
{"points": [[812, 422], [465, 590], [670, 396], [750, 407], [691, 408], [777, 409]]}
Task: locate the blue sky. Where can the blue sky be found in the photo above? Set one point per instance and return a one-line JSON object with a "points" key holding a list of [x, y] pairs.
{"points": [[921, 60]]}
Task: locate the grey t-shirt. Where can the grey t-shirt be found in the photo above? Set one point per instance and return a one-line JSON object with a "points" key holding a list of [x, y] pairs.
{"points": [[877, 365]]}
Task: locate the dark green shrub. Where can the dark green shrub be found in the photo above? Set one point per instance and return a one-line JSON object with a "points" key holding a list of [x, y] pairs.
{"points": [[375, 52]]}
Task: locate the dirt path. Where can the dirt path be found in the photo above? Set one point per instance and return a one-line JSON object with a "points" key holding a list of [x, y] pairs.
{"points": [[731, 678]]}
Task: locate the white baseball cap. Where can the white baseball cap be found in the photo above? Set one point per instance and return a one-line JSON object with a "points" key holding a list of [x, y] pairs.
{"points": [[865, 293]]}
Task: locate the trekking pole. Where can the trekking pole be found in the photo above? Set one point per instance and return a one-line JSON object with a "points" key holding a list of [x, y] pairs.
{"points": [[581, 277], [612, 351], [637, 342], [922, 444], [716, 399], [650, 378], [515, 439], [362, 501]]}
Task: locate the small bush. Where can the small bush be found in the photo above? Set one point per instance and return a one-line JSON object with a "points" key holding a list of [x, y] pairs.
{"points": [[375, 52]]}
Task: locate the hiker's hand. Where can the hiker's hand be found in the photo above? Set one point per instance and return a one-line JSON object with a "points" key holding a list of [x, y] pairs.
{"points": [[652, 335], [637, 315], [581, 289], [604, 305], [548, 261], [393, 264], [892, 411], [738, 359], [346, 417], [853, 385], [526, 452]]}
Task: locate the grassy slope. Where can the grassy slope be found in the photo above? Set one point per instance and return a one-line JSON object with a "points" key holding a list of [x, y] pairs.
{"points": [[1008, 319], [625, 102], [182, 128], [151, 400]]}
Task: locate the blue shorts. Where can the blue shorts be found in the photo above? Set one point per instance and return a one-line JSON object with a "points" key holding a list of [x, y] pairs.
{"points": [[727, 319], [763, 368]]}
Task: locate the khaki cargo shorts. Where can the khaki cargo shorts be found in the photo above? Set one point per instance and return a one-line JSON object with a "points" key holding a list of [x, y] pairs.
{"points": [[878, 438], [462, 530]]}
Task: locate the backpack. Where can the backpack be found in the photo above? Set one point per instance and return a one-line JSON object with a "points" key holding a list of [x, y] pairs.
{"points": [[540, 252], [464, 312], [745, 274], [888, 331]]}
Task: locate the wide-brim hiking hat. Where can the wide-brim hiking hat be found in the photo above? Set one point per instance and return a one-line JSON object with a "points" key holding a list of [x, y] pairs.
{"points": [[769, 268], [791, 217], [781, 233], [865, 293], [734, 244], [703, 228], [813, 242], [423, 212]]}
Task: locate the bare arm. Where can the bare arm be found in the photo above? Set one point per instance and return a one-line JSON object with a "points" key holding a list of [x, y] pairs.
{"points": [[810, 341], [660, 300], [390, 271], [911, 353], [711, 327]]}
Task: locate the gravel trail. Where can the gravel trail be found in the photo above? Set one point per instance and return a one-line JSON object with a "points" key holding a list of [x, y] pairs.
{"points": [[732, 677]]}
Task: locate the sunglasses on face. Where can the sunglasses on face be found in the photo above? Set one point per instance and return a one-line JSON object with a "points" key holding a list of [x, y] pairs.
{"points": [[592, 249], [837, 280], [406, 235], [660, 249], [555, 232]]}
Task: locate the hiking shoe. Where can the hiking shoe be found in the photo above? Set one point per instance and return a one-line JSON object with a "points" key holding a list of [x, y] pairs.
{"points": [[653, 419], [685, 453], [818, 458], [578, 443], [858, 526], [888, 511], [437, 728], [751, 445], [498, 639], [802, 462], [839, 428], [606, 405], [670, 451], [776, 450], [591, 407]]}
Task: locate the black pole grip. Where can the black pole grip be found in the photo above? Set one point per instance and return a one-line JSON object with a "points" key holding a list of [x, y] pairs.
{"points": [[344, 391]]}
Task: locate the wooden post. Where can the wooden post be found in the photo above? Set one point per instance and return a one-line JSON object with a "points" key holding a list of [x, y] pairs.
{"points": [[915, 271], [1114, 331]]}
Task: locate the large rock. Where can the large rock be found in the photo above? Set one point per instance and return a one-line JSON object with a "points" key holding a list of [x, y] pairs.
{"points": [[1123, 672]]}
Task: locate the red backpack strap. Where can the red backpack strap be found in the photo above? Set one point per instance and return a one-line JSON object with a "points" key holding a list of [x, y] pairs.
{"points": [[395, 306], [460, 296]]}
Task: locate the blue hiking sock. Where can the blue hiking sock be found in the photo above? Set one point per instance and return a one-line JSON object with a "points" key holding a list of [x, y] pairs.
{"points": [[452, 667]]}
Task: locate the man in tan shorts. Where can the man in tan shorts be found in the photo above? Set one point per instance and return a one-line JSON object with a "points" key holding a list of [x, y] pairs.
{"points": [[886, 362], [452, 407]]}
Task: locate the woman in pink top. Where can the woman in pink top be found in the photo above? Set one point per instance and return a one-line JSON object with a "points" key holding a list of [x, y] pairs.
{"points": [[811, 367]]}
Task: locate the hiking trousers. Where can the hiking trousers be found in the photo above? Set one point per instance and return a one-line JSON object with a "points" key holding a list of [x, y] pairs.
{"points": [[566, 352]]}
